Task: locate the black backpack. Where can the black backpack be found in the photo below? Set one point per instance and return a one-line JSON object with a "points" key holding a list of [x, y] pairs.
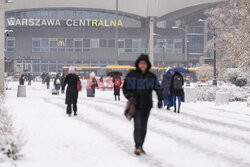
{"points": [[177, 84]]}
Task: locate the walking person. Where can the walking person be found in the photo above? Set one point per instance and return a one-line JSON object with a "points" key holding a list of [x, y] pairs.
{"points": [[137, 88], [62, 78], [47, 80], [176, 89], [94, 83], [72, 80], [57, 83], [29, 79], [117, 86], [166, 83]]}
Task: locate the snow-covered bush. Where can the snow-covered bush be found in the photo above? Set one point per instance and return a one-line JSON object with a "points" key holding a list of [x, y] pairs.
{"points": [[10, 141], [235, 76], [206, 93]]}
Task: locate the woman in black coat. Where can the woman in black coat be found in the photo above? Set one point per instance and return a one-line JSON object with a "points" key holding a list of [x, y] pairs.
{"points": [[72, 91]]}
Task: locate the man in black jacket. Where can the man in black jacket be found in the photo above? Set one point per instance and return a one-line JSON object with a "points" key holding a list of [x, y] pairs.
{"points": [[137, 88]]}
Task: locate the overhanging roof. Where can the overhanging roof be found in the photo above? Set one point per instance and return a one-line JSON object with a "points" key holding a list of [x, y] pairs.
{"points": [[143, 8]]}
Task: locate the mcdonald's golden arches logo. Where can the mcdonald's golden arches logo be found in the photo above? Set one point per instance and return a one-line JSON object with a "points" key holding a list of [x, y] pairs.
{"points": [[61, 43]]}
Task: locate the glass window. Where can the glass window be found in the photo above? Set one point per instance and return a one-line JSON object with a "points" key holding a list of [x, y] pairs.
{"points": [[36, 14], [103, 43], [111, 43], [60, 14], [45, 42], [78, 45], [52, 13], [69, 44], [53, 43], [120, 43], [94, 43], [69, 13], [78, 14], [86, 43], [52, 68], [128, 43], [44, 13], [36, 67], [36, 42]]}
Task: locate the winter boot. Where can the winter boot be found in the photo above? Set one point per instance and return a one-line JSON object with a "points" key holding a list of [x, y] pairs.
{"points": [[142, 151], [174, 109], [137, 152], [168, 108], [178, 110], [75, 114]]}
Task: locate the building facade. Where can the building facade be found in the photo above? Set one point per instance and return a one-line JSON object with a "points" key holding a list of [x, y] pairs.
{"points": [[46, 39]]}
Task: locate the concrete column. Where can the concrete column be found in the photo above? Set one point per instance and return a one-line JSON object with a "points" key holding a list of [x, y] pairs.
{"points": [[186, 43], [2, 37], [151, 40]]}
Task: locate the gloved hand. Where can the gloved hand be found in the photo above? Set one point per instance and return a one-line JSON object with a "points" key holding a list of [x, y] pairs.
{"points": [[160, 104], [62, 91]]}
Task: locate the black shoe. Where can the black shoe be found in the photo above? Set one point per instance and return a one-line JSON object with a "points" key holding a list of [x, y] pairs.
{"points": [[142, 151], [178, 111], [174, 110], [168, 108], [75, 114]]}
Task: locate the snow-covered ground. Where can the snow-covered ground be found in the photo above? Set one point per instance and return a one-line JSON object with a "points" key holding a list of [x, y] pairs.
{"points": [[202, 135]]}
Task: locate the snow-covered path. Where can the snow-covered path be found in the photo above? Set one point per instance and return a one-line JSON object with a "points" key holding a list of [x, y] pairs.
{"points": [[202, 135]]}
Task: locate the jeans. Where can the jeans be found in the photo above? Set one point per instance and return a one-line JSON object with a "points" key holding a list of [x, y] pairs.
{"points": [[168, 100], [140, 126], [179, 101], [69, 108]]}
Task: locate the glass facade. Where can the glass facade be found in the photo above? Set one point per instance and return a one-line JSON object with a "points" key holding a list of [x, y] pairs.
{"points": [[10, 44]]}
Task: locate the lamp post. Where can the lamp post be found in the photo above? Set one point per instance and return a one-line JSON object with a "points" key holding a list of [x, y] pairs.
{"points": [[186, 43], [116, 31], [215, 55]]}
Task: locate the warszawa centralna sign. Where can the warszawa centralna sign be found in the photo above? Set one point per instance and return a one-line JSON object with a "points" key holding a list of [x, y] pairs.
{"points": [[69, 22]]}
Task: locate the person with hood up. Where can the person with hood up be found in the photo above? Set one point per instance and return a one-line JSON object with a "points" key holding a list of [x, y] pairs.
{"points": [[72, 91], [176, 89], [137, 88], [166, 83]]}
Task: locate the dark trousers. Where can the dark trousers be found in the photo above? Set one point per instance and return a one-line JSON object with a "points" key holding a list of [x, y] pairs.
{"points": [[140, 126], [69, 108]]}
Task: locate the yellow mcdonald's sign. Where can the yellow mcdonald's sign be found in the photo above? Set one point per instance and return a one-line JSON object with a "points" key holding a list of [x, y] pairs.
{"points": [[61, 43]]}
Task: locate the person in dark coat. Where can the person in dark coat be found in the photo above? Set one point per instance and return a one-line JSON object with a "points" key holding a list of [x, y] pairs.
{"points": [[43, 76], [137, 88], [22, 79], [166, 83], [176, 89], [62, 78], [47, 80], [72, 92], [117, 86], [29, 78]]}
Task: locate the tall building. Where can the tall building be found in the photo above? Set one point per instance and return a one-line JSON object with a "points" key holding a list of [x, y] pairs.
{"points": [[47, 35]]}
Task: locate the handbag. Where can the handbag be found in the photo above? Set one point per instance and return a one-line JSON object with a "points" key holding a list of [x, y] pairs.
{"points": [[79, 85], [129, 110]]}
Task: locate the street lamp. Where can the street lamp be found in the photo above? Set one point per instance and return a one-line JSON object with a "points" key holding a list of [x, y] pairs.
{"points": [[186, 43], [215, 56]]}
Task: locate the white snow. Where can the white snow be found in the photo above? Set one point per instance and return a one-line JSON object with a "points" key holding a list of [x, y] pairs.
{"points": [[202, 135]]}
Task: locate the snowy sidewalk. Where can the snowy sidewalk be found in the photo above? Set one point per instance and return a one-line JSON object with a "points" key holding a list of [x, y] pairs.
{"points": [[202, 135]]}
